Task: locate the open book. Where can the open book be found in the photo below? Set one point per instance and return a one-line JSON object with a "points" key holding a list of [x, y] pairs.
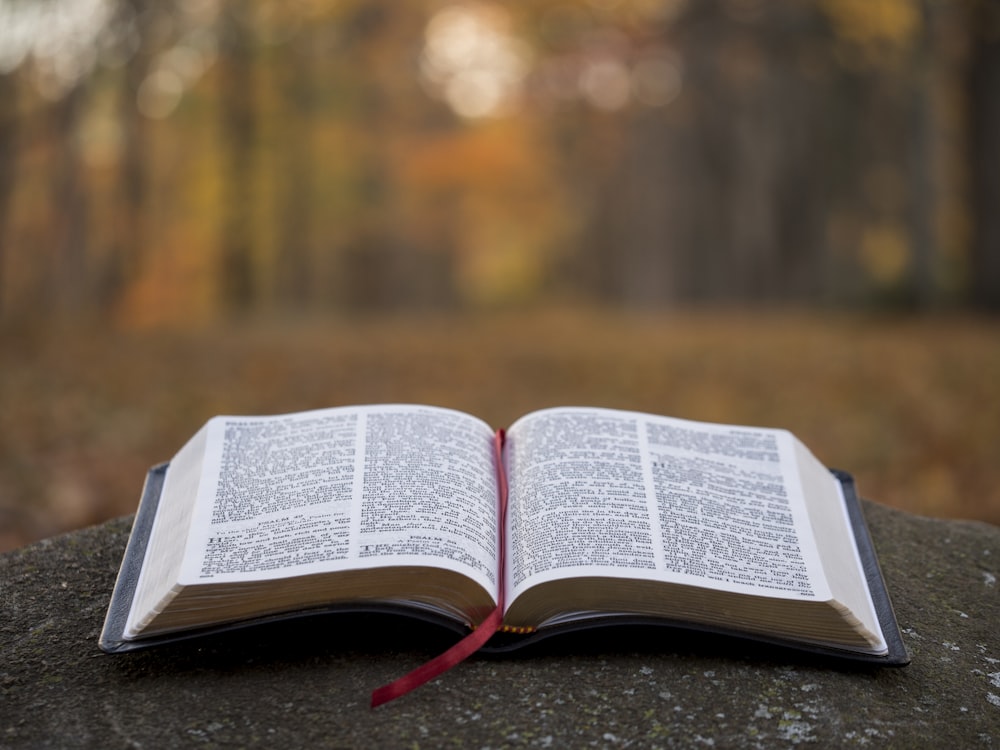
{"points": [[611, 517]]}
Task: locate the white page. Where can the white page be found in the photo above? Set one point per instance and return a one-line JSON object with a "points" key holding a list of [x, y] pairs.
{"points": [[599, 492], [345, 488]]}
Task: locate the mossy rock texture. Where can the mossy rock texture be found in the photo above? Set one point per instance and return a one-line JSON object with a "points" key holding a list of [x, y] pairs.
{"points": [[306, 683]]}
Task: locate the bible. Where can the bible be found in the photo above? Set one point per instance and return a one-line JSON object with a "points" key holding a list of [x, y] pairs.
{"points": [[571, 518]]}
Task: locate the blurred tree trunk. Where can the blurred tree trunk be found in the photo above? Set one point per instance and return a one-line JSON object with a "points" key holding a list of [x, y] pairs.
{"points": [[69, 283], [921, 157], [8, 167], [238, 132], [298, 168], [384, 268], [802, 189], [650, 236], [126, 260], [983, 91], [757, 156], [586, 156], [369, 267], [802, 93], [922, 203]]}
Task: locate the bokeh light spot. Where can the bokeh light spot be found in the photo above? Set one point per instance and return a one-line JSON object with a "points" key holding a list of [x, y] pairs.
{"points": [[159, 94], [472, 61]]}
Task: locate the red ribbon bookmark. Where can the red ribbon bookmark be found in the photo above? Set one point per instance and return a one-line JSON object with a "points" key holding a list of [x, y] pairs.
{"points": [[474, 640], [439, 664]]}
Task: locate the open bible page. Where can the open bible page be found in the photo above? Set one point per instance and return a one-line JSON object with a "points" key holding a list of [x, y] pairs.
{"points": [[342, 489], [599, 492]]}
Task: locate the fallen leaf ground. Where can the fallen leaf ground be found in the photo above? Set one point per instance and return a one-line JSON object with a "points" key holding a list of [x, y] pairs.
{"points": [[909, 405]]}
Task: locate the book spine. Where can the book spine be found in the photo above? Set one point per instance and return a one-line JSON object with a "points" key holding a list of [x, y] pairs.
{"points": [[482, 633]]}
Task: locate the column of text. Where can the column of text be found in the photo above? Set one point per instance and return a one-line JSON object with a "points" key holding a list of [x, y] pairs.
{"points": [[580, 500], [724, 508]]}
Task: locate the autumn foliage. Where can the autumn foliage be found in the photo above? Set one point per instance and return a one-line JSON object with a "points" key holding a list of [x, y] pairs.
{"points": [[256, 206]]}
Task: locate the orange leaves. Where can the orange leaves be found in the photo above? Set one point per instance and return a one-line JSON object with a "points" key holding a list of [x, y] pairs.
{"points": [[502, 206], [875, 33], [493, 155]]}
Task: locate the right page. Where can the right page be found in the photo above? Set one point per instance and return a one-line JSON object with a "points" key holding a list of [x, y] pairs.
{"points": [[604, 494]]}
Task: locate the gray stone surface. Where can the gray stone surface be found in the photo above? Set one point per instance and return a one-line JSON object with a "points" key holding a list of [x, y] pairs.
{"points": [[307, 684]]}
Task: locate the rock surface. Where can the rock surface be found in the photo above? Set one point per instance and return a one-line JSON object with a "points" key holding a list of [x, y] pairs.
{"points": [[307, 683]]}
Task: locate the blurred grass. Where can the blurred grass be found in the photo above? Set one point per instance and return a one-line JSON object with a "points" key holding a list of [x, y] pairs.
{"points": [[911, 406]]}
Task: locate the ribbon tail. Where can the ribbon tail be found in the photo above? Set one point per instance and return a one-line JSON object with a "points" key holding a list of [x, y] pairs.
{"points": [[439, 664], [478, 637]]}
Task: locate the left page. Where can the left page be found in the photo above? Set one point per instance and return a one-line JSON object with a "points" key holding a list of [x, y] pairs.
{"points": [[343, 489]]}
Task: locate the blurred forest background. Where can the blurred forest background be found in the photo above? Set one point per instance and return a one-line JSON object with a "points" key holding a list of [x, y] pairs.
{"points": [[776, 212]]}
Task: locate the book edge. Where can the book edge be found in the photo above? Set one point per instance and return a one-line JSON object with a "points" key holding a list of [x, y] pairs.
{"points": [[112, 636], [897, 653]]}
